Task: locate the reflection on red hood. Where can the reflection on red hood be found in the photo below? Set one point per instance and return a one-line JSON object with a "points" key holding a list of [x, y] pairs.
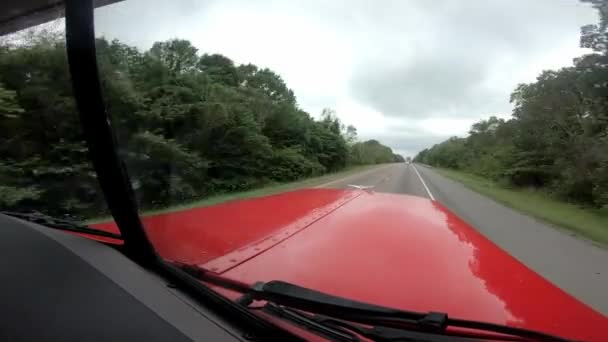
{"points": [[393, 250]]}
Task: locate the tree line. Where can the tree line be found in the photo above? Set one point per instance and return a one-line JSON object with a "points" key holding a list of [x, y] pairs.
{"points": [[188, 125], [557, 137]]}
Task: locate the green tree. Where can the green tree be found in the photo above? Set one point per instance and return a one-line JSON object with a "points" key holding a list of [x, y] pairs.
{"points": [[43, 152], [219, 68], [8, 103], [187, 126], [177, 55]]}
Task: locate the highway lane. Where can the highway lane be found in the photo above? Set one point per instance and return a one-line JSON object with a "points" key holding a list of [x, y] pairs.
{"points": [[577, 266], [393, 178]]}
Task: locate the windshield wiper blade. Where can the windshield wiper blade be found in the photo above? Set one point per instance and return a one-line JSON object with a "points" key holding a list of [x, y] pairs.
{"points": [[314, 323], [61, 224], [340, 330], [294, 296]]}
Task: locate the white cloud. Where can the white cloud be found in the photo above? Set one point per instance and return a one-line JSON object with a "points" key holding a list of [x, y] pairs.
{"points": [[408, 73]]}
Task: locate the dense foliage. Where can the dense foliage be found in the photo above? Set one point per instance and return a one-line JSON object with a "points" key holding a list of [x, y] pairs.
{"points": [[188, 126], [557, 138]]}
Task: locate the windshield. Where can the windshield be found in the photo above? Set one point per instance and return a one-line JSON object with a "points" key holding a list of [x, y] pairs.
{"points": [[243, 127], [428, 156]]}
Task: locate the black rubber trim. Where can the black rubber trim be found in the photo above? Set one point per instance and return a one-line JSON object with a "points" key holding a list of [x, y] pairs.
{"points": [[112, 176], [31, 17]]}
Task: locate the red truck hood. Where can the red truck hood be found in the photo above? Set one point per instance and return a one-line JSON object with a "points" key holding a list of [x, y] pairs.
{"points": [[393, 250]]}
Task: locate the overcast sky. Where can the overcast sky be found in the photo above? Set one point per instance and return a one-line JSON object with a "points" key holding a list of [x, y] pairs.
{"points": [[409, 73]]}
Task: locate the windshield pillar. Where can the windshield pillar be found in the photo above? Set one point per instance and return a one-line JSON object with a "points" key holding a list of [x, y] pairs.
{"points": [[112, 176]]}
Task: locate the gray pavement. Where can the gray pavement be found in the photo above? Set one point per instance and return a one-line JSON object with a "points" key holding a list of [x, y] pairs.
{"points": [[577, 266]]}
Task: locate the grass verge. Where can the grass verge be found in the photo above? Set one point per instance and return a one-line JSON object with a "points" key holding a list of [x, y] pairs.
{"points": [[588, 222], [270, 189]]}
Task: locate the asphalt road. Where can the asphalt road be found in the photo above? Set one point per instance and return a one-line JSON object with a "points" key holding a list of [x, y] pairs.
{"points": [[575, 265]]}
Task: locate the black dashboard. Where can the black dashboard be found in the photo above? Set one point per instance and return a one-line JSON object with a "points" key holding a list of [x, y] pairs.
{"points": [[61, 287]]}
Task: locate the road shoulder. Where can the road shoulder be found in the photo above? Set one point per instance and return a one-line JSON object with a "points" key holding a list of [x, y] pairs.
{"points": [[584, 223], [577, 266]]}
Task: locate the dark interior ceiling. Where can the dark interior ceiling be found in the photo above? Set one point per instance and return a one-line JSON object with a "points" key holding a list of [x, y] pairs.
{"points": [[16, 15]]}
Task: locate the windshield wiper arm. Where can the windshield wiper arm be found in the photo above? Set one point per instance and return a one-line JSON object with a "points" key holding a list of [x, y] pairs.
{"points": [[61, 224], [294, 296]]}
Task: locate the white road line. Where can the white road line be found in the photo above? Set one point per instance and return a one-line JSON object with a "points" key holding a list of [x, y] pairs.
{"points": [[424, 184], [356, 175]]}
